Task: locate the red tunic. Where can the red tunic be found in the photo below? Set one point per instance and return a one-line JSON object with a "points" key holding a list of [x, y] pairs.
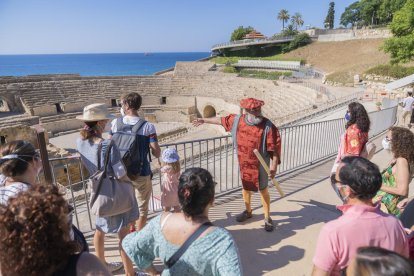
{"points": [[250, 138]]}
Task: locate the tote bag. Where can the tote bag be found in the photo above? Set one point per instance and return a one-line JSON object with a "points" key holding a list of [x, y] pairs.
{"points": [[109, 195]]}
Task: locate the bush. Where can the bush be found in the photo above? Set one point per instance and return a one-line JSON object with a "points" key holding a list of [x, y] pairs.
{"points": [[394, 71], [300, 40]]}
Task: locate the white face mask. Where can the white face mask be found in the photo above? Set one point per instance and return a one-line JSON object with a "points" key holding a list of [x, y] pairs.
{"points": [[122, 112], [255, 120], [386, 144]]}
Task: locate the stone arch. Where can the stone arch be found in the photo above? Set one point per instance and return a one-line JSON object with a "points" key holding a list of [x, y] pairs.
{"points": [[209, 111], [4, 106]]}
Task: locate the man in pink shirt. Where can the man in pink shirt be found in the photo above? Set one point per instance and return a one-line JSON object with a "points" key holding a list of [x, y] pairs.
{"points": [[362, 223]]}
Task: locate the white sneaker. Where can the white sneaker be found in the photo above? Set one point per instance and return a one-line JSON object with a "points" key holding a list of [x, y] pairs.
{"points": [[114, 266]]}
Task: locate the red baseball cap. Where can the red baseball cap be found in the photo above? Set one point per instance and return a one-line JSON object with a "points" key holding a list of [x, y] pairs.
{"points": [[251, 103]]}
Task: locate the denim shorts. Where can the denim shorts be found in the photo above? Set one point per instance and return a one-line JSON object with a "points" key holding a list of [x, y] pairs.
{"points": [[114, 224]]}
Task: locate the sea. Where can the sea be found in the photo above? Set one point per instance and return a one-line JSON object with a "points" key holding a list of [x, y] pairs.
{"points": [[124, 64]]}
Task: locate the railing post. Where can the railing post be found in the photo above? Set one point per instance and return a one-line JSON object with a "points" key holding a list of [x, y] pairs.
{"points": [[41, 140]]}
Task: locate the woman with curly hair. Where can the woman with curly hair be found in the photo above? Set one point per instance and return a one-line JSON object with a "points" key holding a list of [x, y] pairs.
{"points": [[35, 237], [355, 136], [397, 176]]}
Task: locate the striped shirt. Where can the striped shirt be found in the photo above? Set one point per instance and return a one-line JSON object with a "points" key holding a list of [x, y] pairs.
{"points": [[6, 192]]}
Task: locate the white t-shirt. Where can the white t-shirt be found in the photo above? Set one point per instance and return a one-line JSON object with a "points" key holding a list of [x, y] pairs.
{"points": [[11, 190], [408, 104], [147, 130]]}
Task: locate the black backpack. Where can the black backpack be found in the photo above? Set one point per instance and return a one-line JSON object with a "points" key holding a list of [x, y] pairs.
{"points": [[126, 140]]}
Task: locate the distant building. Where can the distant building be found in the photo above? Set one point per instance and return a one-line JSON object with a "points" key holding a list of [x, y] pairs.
{"points": [[254, 35]]}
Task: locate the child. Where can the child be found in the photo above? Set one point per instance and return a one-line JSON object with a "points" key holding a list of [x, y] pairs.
{"points": [[170, 173]]}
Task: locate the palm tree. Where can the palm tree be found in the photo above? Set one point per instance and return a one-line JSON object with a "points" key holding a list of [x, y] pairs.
{"points": [[297, 20], [284, 16]]}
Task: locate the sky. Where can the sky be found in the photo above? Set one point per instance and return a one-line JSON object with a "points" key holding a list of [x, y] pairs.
{"points": [[134, 26]]}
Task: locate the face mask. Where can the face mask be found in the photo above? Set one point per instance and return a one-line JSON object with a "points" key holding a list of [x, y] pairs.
{"points": [[386, 144], [343, 198], [254, 120], [122, 112], [347, 116]]}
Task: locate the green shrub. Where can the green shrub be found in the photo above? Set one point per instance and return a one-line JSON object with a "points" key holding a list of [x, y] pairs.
{"points": [[299, 41], [394, 71]]}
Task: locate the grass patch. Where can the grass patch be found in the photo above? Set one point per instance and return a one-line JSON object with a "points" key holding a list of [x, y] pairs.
{"points": [[230, 69], [341, 77], [394, 71], [257, 74], [231, 60]]}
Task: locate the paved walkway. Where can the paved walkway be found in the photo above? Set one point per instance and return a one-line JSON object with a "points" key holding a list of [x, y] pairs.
{"points": [[309, 203]]}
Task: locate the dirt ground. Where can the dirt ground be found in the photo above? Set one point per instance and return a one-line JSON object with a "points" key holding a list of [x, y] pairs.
{"points": [[343, 58]]}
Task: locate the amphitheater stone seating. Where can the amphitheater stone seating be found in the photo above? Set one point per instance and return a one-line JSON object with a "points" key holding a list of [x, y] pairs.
{"points": [[61, 98]]}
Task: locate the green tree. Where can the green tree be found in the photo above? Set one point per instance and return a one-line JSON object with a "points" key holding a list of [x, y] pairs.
{"points": [[283, 16], [370, 11], [240, 32], [351, 15], [401, 45], [388, 8], [330, 17], [297, 20], [289, 31]]}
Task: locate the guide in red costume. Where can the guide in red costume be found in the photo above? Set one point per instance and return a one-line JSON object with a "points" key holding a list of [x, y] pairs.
{"points": [[252, 131]]}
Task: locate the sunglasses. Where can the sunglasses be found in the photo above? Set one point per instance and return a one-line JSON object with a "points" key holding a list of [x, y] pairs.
{"points": [[334, 181]]}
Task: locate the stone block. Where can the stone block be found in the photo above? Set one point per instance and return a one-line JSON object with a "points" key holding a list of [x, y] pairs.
{"points": [[44, 110]]}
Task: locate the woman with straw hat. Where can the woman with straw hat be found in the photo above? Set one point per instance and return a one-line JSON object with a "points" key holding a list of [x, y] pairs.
{"points": [[96, 118]]}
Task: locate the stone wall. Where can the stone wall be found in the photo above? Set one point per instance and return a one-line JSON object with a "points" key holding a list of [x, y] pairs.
{"points": [[350, 34], [21, 132]]}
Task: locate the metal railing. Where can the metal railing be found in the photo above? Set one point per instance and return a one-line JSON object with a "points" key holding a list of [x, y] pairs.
{"points": [[302, 145], [251, 41]]}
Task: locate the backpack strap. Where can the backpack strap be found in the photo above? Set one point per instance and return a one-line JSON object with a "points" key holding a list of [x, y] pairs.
{"points": [[138, 126], [119, 124], [174, 258]]}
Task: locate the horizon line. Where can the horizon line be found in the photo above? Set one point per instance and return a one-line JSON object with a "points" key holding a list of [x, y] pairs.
{"points": [[103, 53]]}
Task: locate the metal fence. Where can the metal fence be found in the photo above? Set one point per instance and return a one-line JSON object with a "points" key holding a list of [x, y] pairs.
{"points": [[302, 145]]}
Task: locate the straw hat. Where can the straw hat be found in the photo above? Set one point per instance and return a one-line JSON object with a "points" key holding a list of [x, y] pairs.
{"points": [[95, 112]]}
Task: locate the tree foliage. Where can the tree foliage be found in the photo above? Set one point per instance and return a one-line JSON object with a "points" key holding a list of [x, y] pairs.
{"points": [[401, 45], [297, 20], [240, 32], [300, 40], [351, 15], [289, 31], [370, 12], [283, 16], [330, 17]]}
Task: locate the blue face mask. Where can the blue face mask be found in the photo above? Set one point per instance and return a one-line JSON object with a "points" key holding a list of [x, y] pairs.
{"points": [[347, 116]]}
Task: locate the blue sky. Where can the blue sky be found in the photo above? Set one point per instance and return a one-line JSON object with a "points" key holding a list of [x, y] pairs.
{"points": [[118, 26]]}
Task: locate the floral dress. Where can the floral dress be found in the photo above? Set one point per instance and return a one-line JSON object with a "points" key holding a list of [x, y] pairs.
{"points": [[389, 201]]}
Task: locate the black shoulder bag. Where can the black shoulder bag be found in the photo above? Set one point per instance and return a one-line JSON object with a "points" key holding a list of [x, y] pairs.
{"points": [[177, 255]]}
